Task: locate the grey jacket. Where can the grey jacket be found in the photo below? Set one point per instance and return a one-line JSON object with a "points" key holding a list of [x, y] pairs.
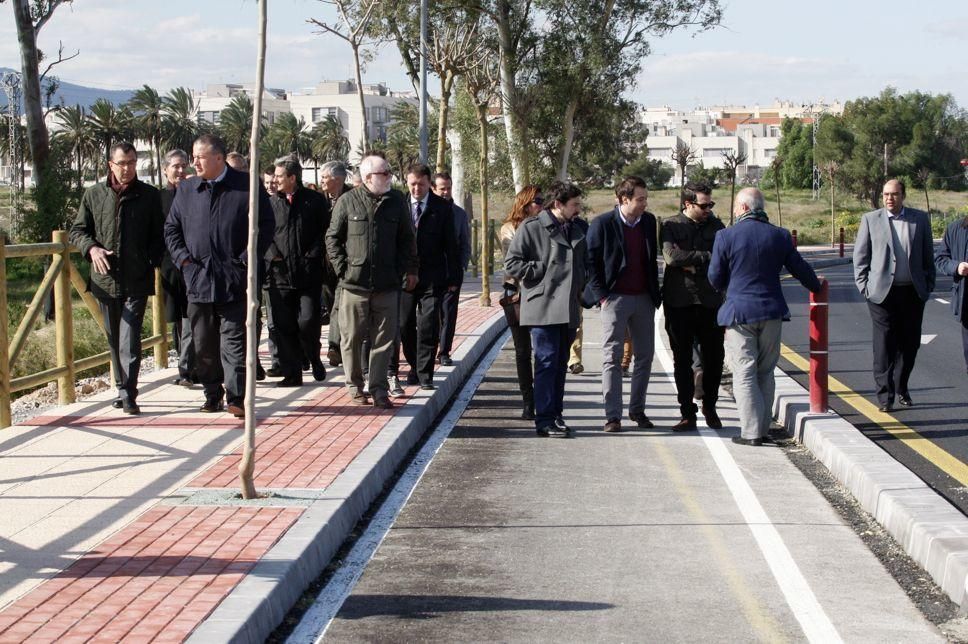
{"points": [[549, 270], [874, 261]]}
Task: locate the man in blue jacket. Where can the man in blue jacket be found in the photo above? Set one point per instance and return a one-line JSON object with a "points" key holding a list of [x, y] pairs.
{"points": [[952, 259], [207, 233], [746, 263]]}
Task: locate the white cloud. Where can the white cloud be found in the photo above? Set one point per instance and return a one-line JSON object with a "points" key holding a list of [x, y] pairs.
{"points": [[956, 29]]}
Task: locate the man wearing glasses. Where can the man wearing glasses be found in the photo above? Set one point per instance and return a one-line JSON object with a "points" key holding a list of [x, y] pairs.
{"points": [[691, 303], [119, 230], [371, 245]]}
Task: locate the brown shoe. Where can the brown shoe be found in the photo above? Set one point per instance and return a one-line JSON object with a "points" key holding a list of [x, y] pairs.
{"points": [[613, 426], [712, 418], [360, 399], [686, 424], [641, 420], [236, 410]]}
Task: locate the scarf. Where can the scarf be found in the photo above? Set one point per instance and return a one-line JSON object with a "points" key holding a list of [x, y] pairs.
{"points": [[118, 187], [756, 214]]}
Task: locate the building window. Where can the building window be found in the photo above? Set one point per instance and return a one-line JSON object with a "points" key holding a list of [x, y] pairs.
{"points": [[321, 113], [379, 114], [208, 117]]}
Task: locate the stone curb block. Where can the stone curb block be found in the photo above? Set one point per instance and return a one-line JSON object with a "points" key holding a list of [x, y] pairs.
{"points": [[263, 598], [932, 531]]}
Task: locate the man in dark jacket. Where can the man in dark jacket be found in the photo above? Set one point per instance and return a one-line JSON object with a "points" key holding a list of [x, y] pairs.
{"points": [[691, 303], [295, 271], [118, 229], [332, 176], [175, 164], [623, 277], [952, 259], [207, 232], [370, 243], [433, 221], [443, 188], [547, 257], [746, 263]]}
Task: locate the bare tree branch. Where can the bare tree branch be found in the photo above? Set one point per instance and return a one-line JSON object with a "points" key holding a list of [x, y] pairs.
{"points": [[60, 58]]}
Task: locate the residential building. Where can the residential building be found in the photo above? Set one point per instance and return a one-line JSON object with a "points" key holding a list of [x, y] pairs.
{"points": [[217, 97]]}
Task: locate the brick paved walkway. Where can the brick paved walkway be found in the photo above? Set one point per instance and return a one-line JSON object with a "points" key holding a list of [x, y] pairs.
{"points": [[96, 547]]}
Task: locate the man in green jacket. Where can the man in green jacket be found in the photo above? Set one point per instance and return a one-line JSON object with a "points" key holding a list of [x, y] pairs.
{"points": [[119, 229], [372, 248]]}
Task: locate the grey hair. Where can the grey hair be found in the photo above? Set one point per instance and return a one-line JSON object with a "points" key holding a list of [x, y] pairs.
{"points": [[751, 198], [170, 156], [239, 158], [371, 163], [291, 165], [336, 169]]}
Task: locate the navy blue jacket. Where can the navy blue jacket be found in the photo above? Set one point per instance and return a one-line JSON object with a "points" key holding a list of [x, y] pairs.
{"points": [[746, 263], [437, 245], [606, 256], [207, 233], [953, 251]]}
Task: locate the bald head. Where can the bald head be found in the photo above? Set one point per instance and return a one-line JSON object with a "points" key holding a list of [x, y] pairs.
{"points": [[748, 199], [893, 194]]}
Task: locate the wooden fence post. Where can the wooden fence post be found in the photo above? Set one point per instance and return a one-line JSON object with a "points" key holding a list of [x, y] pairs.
{"points": [[64, 324], [5, 417], [158, 325]]}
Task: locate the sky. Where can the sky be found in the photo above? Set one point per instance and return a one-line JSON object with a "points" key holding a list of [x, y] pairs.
{"points": [[765, 49]]}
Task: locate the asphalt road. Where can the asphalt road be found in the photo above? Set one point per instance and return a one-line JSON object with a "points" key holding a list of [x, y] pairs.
{"points": [[939, 386]]}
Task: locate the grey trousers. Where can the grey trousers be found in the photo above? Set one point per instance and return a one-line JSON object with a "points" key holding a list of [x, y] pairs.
{"points": [[219, 334], [368, 315], [636, 313], [753, 351], [122, 320]]}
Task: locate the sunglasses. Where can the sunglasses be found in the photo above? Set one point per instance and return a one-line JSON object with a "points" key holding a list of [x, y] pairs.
{"points": [[538, 201], [705, 206]]}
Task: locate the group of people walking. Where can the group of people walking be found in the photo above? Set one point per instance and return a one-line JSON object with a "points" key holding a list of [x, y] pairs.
{"points": [[384, 267]]}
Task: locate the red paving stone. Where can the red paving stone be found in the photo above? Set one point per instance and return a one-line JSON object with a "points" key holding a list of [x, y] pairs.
{"points": [[162, 574]]}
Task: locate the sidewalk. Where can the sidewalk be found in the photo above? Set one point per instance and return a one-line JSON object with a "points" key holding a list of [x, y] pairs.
{"points": [[122, 526]]}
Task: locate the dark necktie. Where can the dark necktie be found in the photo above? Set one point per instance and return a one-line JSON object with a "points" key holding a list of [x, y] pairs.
{"points": [[416, 214]]}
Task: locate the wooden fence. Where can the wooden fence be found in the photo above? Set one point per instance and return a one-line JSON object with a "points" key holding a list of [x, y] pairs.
{"points": [[61, 275]]}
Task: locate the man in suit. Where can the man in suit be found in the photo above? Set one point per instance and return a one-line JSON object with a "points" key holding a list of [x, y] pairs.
{"points": [[746, 262], [894, 270], [623, 278], [691, 303], [118, 229], [443, 186], [207, 232], [295, 271], [952, 259], [547, 257], [439, 272]]}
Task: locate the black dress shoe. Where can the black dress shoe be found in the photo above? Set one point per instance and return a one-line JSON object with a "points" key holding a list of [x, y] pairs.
{"points": [[543, 430], [183, 382], [130, 407], [260, 373], [712, 418], [319, 371], [886, 407], [413, 378], [117, 403], [212, 405], [753, 442], [305, 363], [290, 381], [642, 421], [905, 401], [528, 412], [274, 371], [445, 360]]}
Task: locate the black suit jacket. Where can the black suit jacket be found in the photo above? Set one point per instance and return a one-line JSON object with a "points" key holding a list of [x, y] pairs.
{"points": [[605, 258], [437, 245]]}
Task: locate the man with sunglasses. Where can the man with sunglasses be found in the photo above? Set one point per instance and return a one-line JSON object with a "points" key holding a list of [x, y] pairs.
{"points": [[691, 303]]}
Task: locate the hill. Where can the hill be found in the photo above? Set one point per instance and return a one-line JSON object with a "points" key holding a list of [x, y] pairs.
{"points": [[72, 94]]}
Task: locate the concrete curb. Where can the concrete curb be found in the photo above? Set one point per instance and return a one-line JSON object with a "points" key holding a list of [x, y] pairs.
{"points": [[931, 530], [260, 602]]}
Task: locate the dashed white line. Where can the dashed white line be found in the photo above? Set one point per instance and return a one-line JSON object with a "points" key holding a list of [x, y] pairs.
{"points": [[942, 300]]}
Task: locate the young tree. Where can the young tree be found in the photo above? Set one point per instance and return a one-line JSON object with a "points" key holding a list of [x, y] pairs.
{"points": [[776, 167], [682, 155], [147, 106], [923, 175], [732, 161], [353, 25]]}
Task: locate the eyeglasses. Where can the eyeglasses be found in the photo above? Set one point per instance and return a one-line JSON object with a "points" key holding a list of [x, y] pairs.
{"points": [[538, 201], [705, 206], [385, 173], [126, 164]]}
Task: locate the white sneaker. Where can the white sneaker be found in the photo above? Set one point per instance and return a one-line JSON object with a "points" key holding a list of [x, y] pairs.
{"points": [[396, 390]]}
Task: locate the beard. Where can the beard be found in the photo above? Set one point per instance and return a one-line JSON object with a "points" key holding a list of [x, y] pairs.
{"points": [[379, 185]]}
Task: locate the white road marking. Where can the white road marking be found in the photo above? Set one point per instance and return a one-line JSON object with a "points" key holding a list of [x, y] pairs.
{"points": [[928, 338], [815, 623], [317, 618], [942, 300]]}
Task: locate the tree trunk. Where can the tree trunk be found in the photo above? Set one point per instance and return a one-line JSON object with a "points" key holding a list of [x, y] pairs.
{"points": [[161, 179], [927, 199], [832, 232], [779, 212], [37, 135], [486, 252], [365, 140], [732, 190], [446, 85], [568, 137], [513, 118]]}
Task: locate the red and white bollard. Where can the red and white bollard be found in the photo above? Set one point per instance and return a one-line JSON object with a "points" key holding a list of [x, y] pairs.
{"points": [[793, 233], [841, 242], [819, 387]]}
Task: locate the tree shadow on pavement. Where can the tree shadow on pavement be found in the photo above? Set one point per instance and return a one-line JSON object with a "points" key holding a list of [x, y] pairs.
{"points": [[427, 606]]}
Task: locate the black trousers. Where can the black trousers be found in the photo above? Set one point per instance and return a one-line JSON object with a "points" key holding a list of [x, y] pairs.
{"points": [[122, 320], [448, 320], [296, 315], [896, 339], [521, 335], [687, 326], [964, 338], [219, 334], [419, 332], [273, 342]]}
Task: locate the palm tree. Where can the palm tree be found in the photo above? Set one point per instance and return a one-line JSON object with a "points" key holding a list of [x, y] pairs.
{"points": [[180, 119], [328, 143], [235, 123], [286, 134], [75, 131], [149, 119], [110, 125]]}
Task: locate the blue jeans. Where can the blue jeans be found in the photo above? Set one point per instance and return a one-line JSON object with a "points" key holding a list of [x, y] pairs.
{"points": [[551, 345]]}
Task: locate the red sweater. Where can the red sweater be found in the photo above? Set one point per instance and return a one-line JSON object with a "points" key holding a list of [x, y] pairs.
{"points": [[633, 279]]}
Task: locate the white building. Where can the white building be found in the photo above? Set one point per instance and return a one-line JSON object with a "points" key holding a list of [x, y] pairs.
{"points": [[217, 97]]}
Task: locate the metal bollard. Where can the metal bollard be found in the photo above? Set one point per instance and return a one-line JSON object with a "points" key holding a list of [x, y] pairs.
{"points": [[819, 341], [793, 233], [841, 241]]}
